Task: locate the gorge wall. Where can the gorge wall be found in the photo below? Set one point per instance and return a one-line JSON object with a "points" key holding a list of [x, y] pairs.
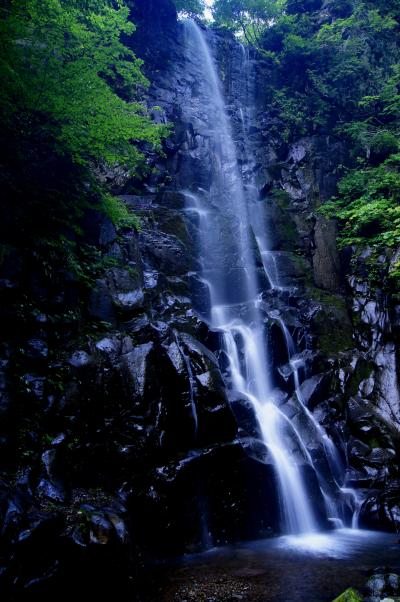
{"points": [[121, 445]]}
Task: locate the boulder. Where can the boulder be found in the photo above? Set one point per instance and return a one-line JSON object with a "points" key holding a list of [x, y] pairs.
{"points": [[101, 303], [126, 289]]}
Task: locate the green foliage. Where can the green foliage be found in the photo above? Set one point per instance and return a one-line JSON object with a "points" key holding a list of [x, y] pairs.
{"points": [[350, 595], [62, 257], [321, 67], [119, 214], [303, 6], [72, 100], [383, 144], [60, 65], [336, 72], [249, 17], [190, 8], [367, 206]]}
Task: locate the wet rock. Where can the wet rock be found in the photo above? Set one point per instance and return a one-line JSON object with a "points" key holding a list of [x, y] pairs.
{"points": [[166, 252], [101, 529], [109, 347], [173, 223], [150, 279], [99, 229], [80, 359], [382, 585], [120, 526], [313, 390], [116, 253], [37, 349], [358, 449], [126, 289], [255, 449], [138, 202], [101, 304], [34, 385], [381, 457], [326, 262], [246, 418], [332, 327], [173, 199], [50, 490], [7, 284], [286, 371], [3, 374], [137, 367], [137, 326], [5, 406], [220, 490], [215, 419], [58, 439], [107, 233], [50, 485]]}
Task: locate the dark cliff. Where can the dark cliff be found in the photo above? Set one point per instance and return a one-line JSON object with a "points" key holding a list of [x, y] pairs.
{"points": [[104, 467]]}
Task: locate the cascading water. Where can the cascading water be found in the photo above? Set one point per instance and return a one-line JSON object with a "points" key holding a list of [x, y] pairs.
{"points": [[336, 494], [230, 272], [236, 265]]}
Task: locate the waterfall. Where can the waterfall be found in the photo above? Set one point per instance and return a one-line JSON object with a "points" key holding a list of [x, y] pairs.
{"points": [[337, 496], [233, 279], [236, 267]]}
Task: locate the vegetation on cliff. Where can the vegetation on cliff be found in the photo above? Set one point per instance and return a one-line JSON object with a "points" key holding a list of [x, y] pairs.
{"points": [[333, 70], [71, 101]]}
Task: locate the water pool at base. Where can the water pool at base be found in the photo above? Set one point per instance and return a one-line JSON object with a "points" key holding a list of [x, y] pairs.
{"points": [[309, 568]]}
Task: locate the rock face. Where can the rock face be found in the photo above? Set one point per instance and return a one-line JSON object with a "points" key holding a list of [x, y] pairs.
{"points": [[345, 333], [127, 446]]}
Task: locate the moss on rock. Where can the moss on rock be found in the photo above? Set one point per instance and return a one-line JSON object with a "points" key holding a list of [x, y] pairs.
{"points": [[350, 595], [331, 324]]}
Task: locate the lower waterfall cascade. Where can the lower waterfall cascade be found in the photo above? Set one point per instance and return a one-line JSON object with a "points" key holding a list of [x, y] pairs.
{"points": [[231, 238]]}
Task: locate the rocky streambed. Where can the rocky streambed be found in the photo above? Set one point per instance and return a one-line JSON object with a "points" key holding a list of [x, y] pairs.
{"points": [[314, 569]]}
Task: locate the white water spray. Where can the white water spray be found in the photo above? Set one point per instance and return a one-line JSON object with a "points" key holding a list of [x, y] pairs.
{"points": [[230, 274]]}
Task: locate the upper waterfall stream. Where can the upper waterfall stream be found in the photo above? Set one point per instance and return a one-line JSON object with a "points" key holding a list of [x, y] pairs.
{"points": [[234, 281], [235, 267]]}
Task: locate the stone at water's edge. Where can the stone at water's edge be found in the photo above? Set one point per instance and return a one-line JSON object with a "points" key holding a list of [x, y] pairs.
{"points": [[383, 586]]}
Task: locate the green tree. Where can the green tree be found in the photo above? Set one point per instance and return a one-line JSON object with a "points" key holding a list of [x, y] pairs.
{"points": [[249, 17], [336, 72], [71, 104], [60, 65], [190, 8]]}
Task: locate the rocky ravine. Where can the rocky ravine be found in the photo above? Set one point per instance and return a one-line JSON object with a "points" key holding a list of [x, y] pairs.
{"points": [[104, 466]]}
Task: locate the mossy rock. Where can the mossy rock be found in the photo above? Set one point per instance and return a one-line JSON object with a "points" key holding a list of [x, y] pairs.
{"points": [[334, 336], [362, 371], [331, 324], [289, 231], [326, 298], [281, 227], [275, 171], [350, 595], [172, 222], [281, 197]]}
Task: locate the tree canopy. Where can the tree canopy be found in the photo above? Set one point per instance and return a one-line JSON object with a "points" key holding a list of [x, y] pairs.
{"points": [[249, 17], [72, 103], [63, 63], [190, 8]]}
